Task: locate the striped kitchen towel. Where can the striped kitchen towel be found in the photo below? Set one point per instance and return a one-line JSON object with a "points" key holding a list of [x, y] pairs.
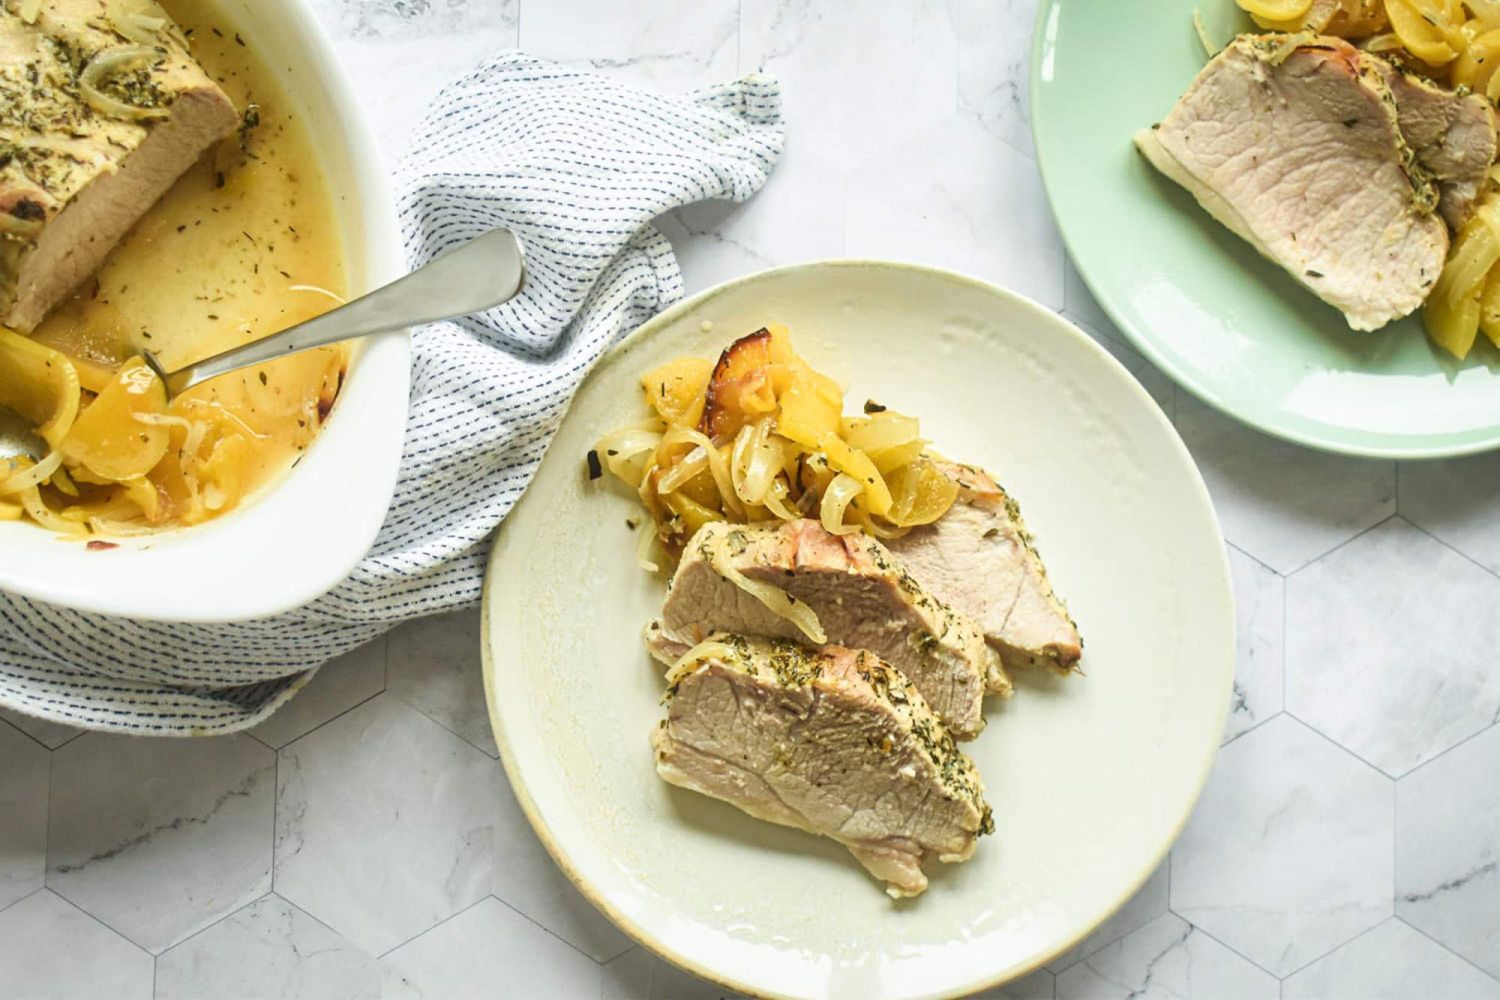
{"points": [[577, 166]]}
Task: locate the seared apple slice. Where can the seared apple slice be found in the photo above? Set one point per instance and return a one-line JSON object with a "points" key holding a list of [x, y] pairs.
{"points": [[740, 388]]}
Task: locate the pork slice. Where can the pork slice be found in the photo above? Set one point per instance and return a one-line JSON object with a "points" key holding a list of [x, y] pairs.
{"points": [[664, 647], [1296, 147], [980, 559], [1452, 134], [73, 178], [831, 741], [861, 594]]}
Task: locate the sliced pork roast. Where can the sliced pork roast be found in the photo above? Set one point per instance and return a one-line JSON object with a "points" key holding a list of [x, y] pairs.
{"points": [[980, 560], [88, 142], [1295, 145], [861, 595], [832, 741], [1452, 134]]}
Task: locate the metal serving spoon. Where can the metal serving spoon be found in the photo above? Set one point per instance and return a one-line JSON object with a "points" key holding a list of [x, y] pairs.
{"points": [[481, 274], [18, 437]]}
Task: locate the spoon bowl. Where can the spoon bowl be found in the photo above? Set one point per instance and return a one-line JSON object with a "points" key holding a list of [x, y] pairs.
{"points": [[18, 437]]}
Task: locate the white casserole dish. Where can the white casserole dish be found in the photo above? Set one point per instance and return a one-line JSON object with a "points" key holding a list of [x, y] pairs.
{"points": [[295, 541]]}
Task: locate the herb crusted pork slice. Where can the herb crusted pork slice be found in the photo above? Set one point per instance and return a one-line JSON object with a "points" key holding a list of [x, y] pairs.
{"points": [[1295, 144], [832, 741], [982, 561], [860, 593], [94, 128], [1452, 134]]}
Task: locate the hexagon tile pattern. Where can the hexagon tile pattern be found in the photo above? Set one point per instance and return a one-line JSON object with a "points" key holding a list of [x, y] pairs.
{"points": [[1260, 644], [1289, 853], [50, 948], [1448, 850], [337, 687], [380, 853], [488, 943], [1392, 962], [435, 668], [1168, 957], [23, 815], [1149, 902], [1283, 504], [381, 869], [1455, 500], [268, 949], [157, 842], [1391, 646], [528, 881]]}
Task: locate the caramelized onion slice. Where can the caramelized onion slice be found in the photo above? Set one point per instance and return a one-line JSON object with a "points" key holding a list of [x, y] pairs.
{"points": [[105, 65]]}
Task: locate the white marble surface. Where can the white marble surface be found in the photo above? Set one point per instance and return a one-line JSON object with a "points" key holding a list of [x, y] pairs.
{"points": [[364, 842], [383, 868], [1290, 852]]}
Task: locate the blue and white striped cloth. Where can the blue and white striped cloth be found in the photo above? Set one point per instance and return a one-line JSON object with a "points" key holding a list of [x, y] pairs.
{"points": [[577, 166]]}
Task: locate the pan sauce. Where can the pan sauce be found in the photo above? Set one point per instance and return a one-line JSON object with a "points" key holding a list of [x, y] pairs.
{"points": [[246, 243]]}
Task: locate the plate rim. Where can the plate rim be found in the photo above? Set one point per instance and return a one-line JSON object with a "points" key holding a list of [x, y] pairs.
{"points": [[489, 598], [1163, 361]]}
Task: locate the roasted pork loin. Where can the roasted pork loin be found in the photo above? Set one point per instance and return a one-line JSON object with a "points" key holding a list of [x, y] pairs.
{"points": [[862, 597], [1452, 135], [1296, 146], [84, 153], [830, 740], [980, 560]]}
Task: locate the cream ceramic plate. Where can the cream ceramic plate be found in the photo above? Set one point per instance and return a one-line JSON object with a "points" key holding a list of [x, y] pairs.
{"points": [[1091, 778]]}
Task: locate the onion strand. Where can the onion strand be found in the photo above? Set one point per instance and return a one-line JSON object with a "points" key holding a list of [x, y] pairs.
{"points": [[110, 62], [781, 449]]}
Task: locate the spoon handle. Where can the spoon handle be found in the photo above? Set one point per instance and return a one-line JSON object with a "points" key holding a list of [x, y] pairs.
{"points": [[479, 275]]}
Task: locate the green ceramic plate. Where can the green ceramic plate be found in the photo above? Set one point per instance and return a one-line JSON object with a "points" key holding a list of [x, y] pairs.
{"points": [[1226, 324]]}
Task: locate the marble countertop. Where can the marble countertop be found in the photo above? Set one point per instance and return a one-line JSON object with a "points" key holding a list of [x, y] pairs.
{"points": [[364, 842]]}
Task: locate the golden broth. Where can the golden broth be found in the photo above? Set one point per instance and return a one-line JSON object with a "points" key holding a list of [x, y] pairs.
{"points": [[245, 244]]}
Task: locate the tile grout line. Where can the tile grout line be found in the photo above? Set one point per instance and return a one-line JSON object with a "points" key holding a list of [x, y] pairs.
{"points": [[325, 722], [23, 899], [1336, 744], [1219, 941], [275, 811], [1461, 958], [1445, 752], [495, 755], [47, 826], [217, 920], [1286, 604], [214, 923], [451, 917], [535, 923], [1346, 542], [1257, 560], [273, 894], [123, 937], [11, 725], [1451, 548], [1239, 736], [1342, 944]]}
